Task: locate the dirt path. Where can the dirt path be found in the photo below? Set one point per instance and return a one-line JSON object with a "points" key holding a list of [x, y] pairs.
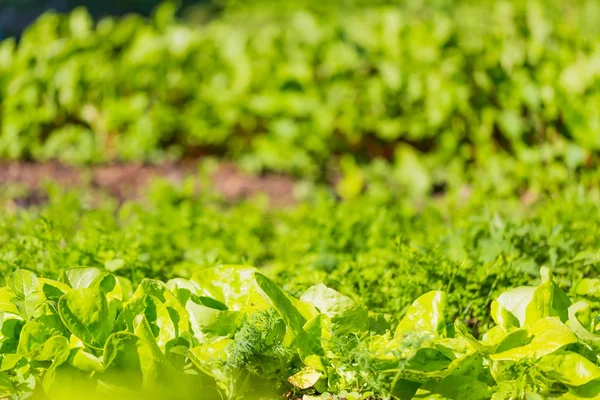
{"points": [[128, 181]]}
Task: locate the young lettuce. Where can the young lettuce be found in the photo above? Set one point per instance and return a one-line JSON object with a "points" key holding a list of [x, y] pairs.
{"points": [[233, 333]]}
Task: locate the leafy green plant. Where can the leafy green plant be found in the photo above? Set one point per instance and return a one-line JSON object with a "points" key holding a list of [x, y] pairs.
{"points": [[90, 334]]}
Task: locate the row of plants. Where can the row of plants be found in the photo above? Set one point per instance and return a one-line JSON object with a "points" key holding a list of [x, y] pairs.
{"points": [[230, 332], [288, 91], [382, 251]]}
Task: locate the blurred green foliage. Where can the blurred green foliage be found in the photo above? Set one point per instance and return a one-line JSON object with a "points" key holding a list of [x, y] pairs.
{"points": [[472, 84]]}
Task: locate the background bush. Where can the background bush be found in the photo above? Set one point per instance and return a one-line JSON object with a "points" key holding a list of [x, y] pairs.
{"points": [[290, 90]]}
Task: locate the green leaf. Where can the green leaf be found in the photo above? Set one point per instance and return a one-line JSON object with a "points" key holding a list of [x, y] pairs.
{"points": [[282, 303], [306, 378], [404, 389], [456, 387], [36, 332], [158, 290], [569, 368], [85, 361], [180, 283], [114, 265], [7, 301], [590, 391], [7, 387], [51, 349], [588, 287], [345, 314], [380, 323], [515, 338], [462, 381], [23, 283], [161, 321], [53, 289], [503, 317], [233, 285], [127, 316], [86, 314], [156, 369], [11, 361], [79, 278], [462, 331], [549, 335], [316, 335], [211, 358], [28, 306], [548, 301], [217, 350], [126, 288], [151, 287], [426, 314], [11, 328], [157, 315], [509, 309], [213, 322], [579, 312], [105, 283], [212, 303], [427, 363]]}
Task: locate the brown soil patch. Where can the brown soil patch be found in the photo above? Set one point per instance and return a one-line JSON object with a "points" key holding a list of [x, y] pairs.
{"points": [[128, 181]]}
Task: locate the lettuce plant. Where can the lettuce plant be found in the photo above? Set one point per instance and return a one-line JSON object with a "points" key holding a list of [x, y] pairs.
{"points": [[230, 332]]}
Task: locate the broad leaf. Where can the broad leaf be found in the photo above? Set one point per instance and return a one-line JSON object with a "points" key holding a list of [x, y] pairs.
{"points": [[158, 290], [579, 312], [569, 368], [549, 335], [53, 289], [306, 378], [233, 285], [548, 301], [512, 305], [212, 322], [86, 314], [36, 332], [23, 283], [282, 303], [426, 314], [345, 314], [79, 278]]}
